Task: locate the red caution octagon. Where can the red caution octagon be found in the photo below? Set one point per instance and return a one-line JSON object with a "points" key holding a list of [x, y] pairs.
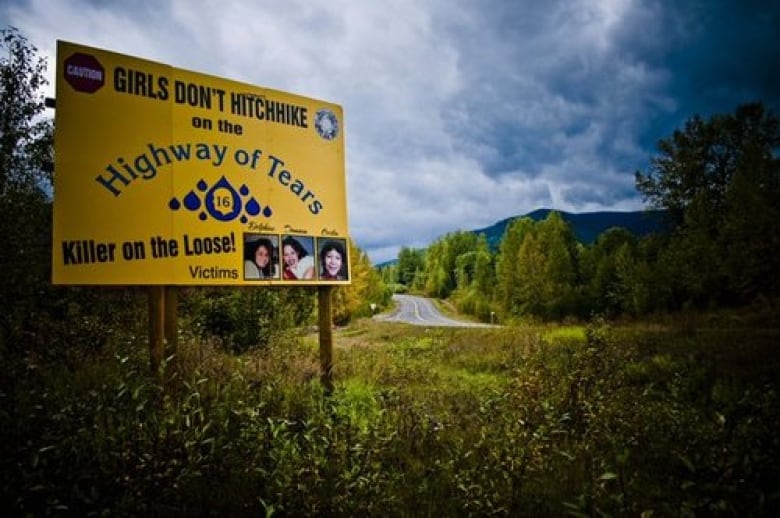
{"points": [[84, 73]]}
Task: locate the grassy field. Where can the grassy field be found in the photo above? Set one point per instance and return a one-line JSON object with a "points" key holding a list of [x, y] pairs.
{"points": [[675, 418]]}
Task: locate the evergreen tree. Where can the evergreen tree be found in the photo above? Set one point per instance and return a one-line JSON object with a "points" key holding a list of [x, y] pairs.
{"points": [[561, 272], [531, 275], [508, 284], [604, 288]]}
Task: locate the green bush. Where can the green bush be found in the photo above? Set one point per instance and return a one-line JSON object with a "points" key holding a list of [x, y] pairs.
{"points": [[242, 319]]}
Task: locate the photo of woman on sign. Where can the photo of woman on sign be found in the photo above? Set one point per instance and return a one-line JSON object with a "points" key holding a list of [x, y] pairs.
{"points": [[260, 257], [298, 263], [333, 260]]}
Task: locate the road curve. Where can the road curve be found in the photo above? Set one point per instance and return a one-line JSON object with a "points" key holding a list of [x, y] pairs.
{"points": [[421, 311]]}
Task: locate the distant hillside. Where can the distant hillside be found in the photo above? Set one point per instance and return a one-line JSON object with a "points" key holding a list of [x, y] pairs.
{"points": [[587, 225]]}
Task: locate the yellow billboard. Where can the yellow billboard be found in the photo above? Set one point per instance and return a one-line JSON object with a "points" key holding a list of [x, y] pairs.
{"points": [[167, 176]]}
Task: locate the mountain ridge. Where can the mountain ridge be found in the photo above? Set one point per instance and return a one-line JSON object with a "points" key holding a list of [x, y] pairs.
{"points": [[587, 226]]}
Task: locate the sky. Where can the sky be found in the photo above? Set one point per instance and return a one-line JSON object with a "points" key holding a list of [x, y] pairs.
{"points": [[459, 113]]}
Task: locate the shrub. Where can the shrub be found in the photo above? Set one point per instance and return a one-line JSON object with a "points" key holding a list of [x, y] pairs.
{"points": [[247, 318]]}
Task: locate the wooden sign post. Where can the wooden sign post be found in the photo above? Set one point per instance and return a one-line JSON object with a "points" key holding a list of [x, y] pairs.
{"points": [[326, 337], [163, 326], [163, 330]]}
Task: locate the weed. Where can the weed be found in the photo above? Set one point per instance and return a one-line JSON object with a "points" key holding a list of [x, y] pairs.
{"points": [[533, 420]]}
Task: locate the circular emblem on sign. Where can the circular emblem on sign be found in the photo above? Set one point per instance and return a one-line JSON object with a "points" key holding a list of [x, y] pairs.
{"points": [[327, 124]]}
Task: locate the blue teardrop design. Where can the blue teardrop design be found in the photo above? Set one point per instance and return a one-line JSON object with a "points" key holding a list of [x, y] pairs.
{"points": [[252, 207], [267, 212], [202, 185], [174, 204], [192, 201], [215, 211]]}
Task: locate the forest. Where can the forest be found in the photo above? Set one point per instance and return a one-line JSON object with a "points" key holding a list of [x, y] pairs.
{"points": [[630, 376], [717, 181]]}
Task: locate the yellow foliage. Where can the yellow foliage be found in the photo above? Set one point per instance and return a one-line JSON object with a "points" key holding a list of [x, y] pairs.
{"points": [[366, 287]]}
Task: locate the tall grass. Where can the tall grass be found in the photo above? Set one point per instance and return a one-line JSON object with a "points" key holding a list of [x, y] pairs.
{"points": [[444, 422]]}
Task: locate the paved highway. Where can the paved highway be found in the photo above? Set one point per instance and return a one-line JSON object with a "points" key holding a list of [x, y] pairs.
{"points": [[422, 312]]}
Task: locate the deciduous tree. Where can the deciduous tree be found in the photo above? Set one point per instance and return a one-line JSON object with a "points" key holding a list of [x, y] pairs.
{"points": [[720, 179], [25, 137], [25, 145]]}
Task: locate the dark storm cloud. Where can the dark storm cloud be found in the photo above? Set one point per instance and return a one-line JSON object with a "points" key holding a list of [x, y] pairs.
{"points": [[551, 75], [718, 54], [731, 54], [621, 76]]}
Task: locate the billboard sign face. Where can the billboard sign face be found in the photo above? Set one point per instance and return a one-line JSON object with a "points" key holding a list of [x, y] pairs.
{"points": [[167, 176]]}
